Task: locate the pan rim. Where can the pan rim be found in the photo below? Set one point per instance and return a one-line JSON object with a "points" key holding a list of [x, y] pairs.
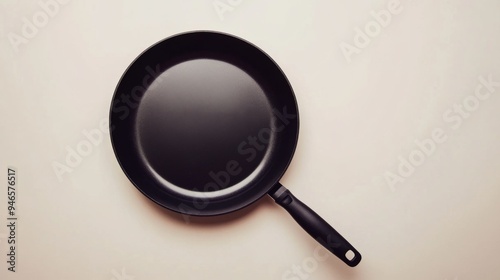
{"points": [[201, 212]]}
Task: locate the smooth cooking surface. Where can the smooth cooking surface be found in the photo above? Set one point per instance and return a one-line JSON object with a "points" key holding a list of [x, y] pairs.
{"points": [[198, 117]]}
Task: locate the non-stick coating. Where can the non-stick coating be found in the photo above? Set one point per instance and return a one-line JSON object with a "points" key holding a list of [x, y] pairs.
{"points": [[204, 123]]}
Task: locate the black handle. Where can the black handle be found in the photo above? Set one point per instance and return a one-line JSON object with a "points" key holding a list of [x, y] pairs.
{"points": [[318, 228]]}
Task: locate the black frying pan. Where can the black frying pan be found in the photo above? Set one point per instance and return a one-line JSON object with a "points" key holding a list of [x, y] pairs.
{"points": [[204, 123]]}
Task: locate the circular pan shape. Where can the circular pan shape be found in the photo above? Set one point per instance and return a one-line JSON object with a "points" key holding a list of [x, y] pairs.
{"points": [[204, 123]]}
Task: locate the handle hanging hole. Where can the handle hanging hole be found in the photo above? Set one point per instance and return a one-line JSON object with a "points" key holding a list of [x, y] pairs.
{"points": [[350, 255]]}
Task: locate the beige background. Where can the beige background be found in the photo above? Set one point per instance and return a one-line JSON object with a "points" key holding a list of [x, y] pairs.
{"points": [[357, 119]]}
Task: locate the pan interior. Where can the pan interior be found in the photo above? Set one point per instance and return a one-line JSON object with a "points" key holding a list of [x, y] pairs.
{"points": [[203, 125]]}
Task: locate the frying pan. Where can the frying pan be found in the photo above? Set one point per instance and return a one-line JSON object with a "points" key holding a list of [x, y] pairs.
{"points": [[204, 123]]}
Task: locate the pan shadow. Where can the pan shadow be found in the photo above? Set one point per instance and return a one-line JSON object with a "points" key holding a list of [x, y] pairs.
{"points": [[343, 270], [210, 221], [332, 263]]}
